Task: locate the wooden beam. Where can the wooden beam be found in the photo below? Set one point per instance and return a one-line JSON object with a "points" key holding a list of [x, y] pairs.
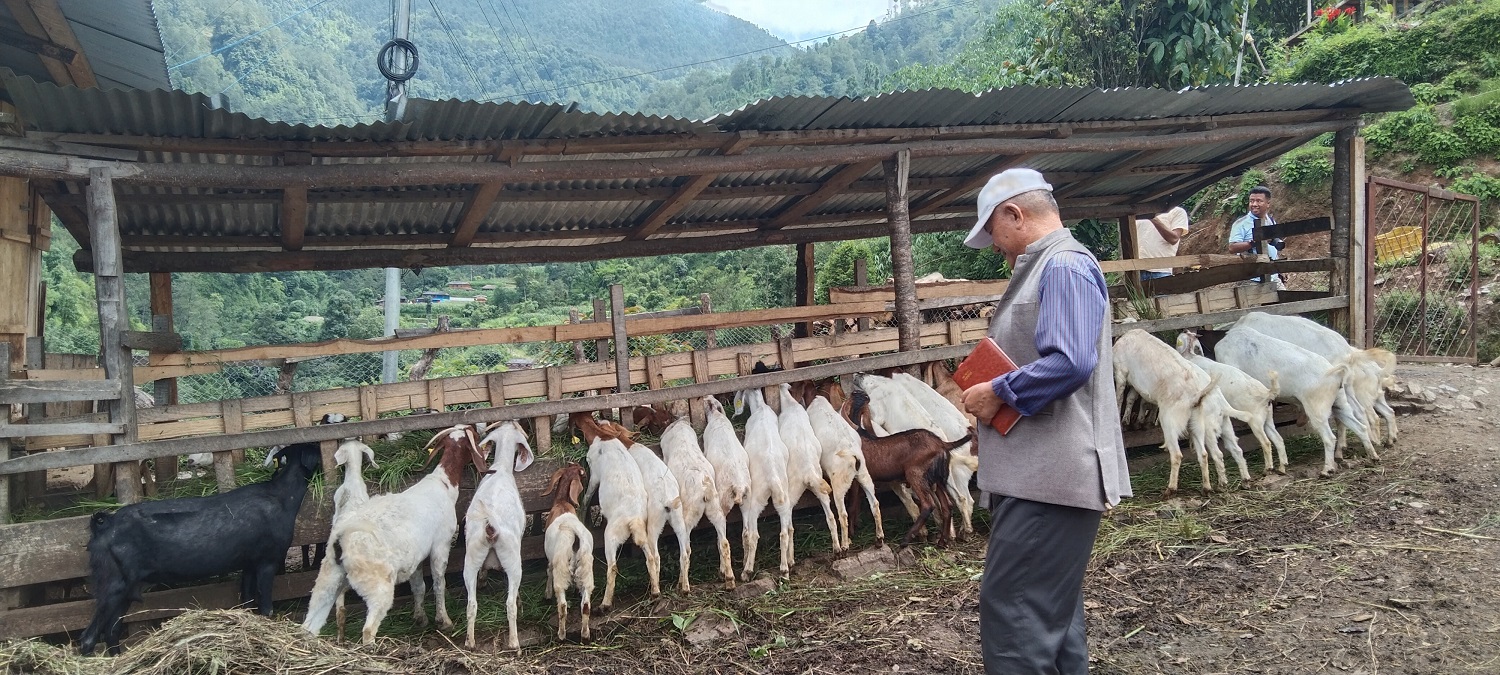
{"points": [[114, 321], [977, 180], [6, 482], [622, 347], [56, 29], [1297, 227], [1223, 274], [1250, 156], [1342, 197], [32, 27], [29, 391], [806, 285], [475, 209], [1119, 168], [1227, 316], [145, 450], [1358, 253], [1199, 260], [690, 189], [896, 195], [151, 341], [1130, 250], [62, 429], [832, 186], [40, 46]]}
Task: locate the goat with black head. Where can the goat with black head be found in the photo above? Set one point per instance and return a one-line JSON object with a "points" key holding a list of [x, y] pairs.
{"points": [[248, 529]]}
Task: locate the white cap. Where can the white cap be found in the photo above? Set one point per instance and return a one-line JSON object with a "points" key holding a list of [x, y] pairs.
{"points": [[1002, 186]]}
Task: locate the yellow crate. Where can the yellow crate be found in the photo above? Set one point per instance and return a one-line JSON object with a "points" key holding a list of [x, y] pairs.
{"points": [[1399, 243]]}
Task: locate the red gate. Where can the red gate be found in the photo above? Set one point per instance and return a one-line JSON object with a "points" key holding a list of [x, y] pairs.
{"points": [[1421, 264]]}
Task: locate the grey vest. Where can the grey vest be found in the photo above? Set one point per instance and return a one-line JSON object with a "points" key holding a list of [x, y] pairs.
{"points": [[1069, 453]]}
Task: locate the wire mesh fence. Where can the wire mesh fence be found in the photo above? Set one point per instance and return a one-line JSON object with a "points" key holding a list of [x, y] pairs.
{"points": [[1424, 243]]}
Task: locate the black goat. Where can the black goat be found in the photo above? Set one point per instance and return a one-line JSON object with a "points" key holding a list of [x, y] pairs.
{"points": [[248, 529]]}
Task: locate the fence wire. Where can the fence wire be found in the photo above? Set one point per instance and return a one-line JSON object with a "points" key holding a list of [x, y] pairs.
{"points": [[1424, 248]]}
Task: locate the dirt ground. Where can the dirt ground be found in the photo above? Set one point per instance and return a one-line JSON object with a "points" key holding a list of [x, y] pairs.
{"points": [[1387, 567]]}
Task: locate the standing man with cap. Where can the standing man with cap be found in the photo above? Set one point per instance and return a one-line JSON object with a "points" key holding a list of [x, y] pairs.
{"points": [[1048, 481]]}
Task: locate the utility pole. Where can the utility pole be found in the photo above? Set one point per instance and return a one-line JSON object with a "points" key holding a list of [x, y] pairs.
{"points": [[403, 64]]}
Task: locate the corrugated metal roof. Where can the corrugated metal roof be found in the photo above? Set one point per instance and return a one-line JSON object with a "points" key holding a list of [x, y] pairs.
{"points": [[601, 216], [118, 38]]}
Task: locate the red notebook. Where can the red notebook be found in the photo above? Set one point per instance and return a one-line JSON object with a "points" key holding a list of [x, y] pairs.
{"points": [[987, 362]]}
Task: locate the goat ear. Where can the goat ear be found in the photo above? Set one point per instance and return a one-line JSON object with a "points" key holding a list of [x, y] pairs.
{"points": [[370, 456], [524, 458]]}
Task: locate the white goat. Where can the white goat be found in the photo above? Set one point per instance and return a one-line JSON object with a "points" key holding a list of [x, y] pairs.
{"points": [[1187, 400], [570, 549], [843, 461], [387, 538], [1306, 378], [698, 493], [494, 524], [727, 455], [622, 501], [1367, 366], [350, 495], [768, 478], [664, 506], [1245, 394], [804, 471], [953, 425]]}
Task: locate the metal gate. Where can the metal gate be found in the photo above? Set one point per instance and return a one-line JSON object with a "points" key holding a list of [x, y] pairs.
{"points": [[1421, 263]]}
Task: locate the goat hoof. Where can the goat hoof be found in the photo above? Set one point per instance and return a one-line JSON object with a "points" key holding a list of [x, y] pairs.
{"points": [[1168, 493], [1326, 473], [445, 625], [729, 584]]}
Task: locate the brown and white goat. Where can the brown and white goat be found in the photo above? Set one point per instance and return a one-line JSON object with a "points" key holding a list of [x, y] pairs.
{"points": [[916, 457], [570, 548]]}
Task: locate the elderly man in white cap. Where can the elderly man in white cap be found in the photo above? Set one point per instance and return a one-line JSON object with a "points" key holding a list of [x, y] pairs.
{"points": [[1047, 482]]}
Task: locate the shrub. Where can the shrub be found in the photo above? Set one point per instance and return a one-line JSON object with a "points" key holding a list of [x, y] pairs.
{"points": [[1396, 131], [1443, 148], [1441, 43], [1308, 166]]}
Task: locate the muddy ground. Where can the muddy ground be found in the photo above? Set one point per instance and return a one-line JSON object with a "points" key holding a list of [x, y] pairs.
{"points": [[1388, 567]]}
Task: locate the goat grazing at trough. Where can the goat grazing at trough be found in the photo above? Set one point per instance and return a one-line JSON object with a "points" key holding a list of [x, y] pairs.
{"points": [[804, 470], [917, 457], [1304, 377], [1187, 399], [937, 375], [1247, 395], [386, 539], [964, 460], [726, 453], [349, 496], [842, 458], [623, 500], [698, 492], [570, 548], [665, 499], [495, 522], [893, 408], [1368, 368], [248, 529], [767, 456], [652, 419]]}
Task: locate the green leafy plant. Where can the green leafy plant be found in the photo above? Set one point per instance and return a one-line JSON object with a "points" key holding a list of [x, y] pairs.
{"points": [[1306, 167]]}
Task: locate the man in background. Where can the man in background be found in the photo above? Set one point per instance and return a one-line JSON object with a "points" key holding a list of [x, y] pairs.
{"points": [[1242, 232], [1158, 237]]}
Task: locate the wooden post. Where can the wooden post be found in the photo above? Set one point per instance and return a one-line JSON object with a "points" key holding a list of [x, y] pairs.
{"points": [[601, 346], [696, 411], [36, 355], [495, 382], [1342, 196], [5, 481], [622, 347], [575, 319], [1358, 279], [902, 269], [165, 389], [109, 287], [862, 278], [705, 307], [1130, 249], [806, 284], [234, 423], [543, 425], [369, 408]]}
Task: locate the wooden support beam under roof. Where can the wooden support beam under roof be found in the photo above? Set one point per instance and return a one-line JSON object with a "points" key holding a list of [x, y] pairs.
{"points": [[689, 190], [44, 20], [475, 209], [977, 180], [1140, 158], [832, 187], [1250, 156], [292, 217]]}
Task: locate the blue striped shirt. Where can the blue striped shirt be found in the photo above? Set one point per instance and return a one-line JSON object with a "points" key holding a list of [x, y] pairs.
{"points": [[1074, 301]]}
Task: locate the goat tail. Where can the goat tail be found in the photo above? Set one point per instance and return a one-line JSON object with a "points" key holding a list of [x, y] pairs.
{"points": [[1213, 383], [1275, 387], [954, 444]]}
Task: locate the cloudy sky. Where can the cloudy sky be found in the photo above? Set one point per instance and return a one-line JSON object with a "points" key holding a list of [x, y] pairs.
{"points": [[793, 20]]}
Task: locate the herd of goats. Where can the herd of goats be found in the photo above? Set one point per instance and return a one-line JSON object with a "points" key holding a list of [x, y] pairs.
{"points": [[808, 437]]}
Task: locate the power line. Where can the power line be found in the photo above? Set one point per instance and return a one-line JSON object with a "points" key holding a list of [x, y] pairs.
{"points": [[504, 47], [235, 43], [463, 55], [516, 39], [903, 17]]}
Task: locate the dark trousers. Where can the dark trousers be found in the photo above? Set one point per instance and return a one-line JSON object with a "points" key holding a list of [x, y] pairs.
{"points": [[1031, 596]]}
